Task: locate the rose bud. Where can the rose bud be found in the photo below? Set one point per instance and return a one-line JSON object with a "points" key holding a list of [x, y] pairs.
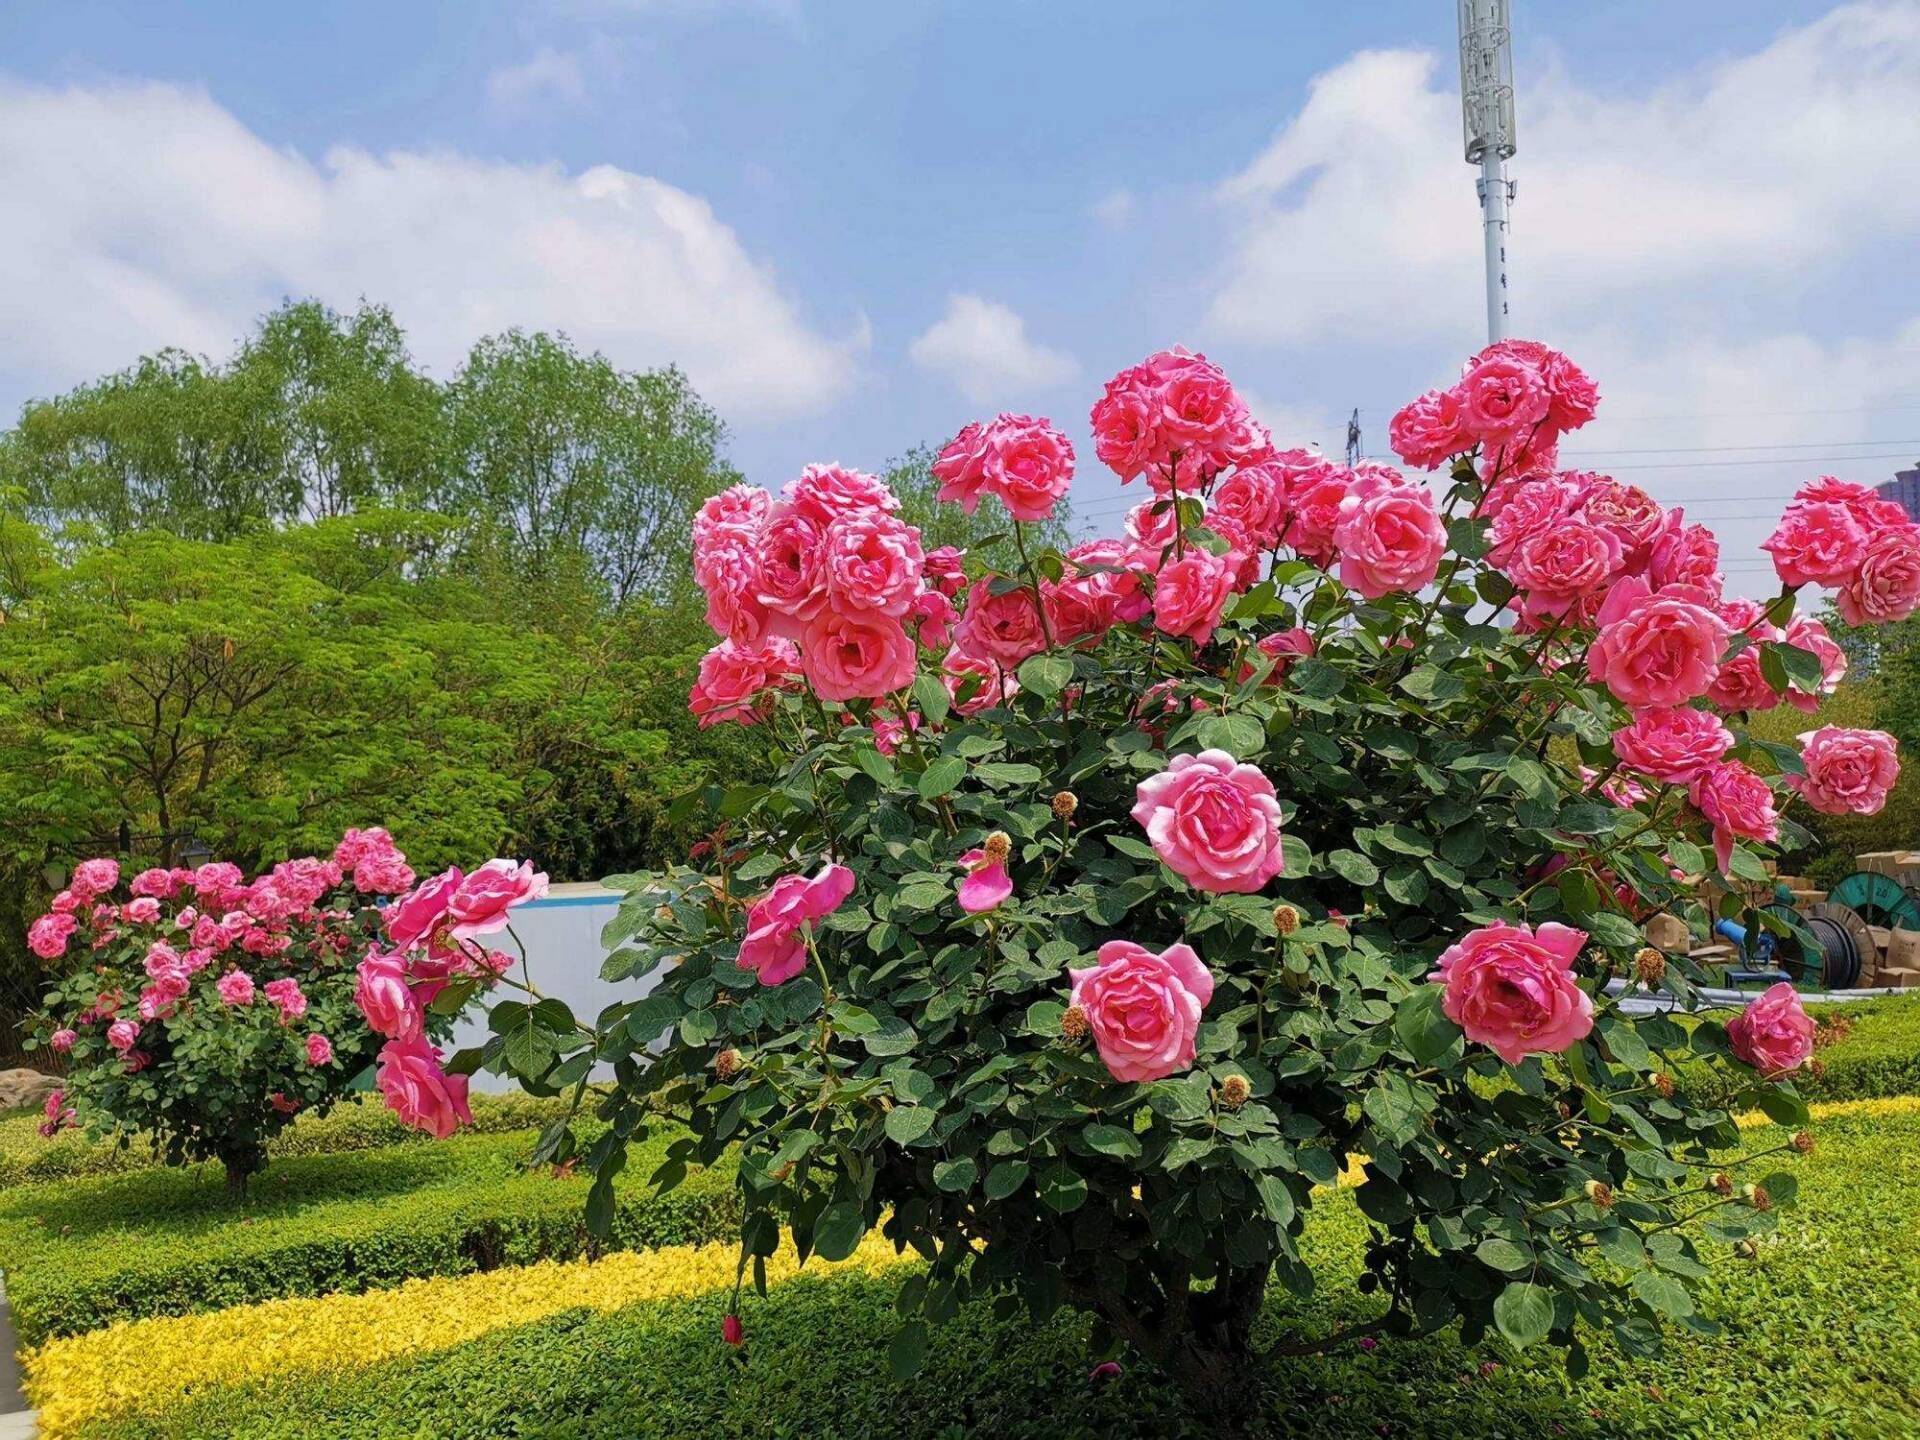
{"points": [[1649, 965], [1286, 919], [726, 1064], [996, 847], [1064, 804], [1599, 1194], [732, 1331], [1074, 1024], [1757, 1197], [1663, 1085], [1721, 1183], [1746, 1249], [1802, 1142], [1234, 1091]]}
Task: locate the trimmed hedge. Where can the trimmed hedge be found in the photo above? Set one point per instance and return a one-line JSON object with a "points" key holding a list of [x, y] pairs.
{"points": [[79, 1255], [1878, 1056], [27, 1157], [1819, 1336]]}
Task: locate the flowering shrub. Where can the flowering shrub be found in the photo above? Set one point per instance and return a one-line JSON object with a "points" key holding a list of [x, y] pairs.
{"points": [[1106, 910], [208, 1010]]}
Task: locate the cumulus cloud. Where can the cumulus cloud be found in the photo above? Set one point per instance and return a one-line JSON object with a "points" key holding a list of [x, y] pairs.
{"points": [[1758, 165], [1115, 208], [547, 74], [141, 215], [981, 348]]}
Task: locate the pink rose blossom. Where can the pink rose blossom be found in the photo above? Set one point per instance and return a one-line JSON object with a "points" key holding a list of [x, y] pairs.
{"points": [[235, 987], [157, 882], [1282, 647], [933, 616], [976, 684], [1656, 648], [92, 878], [774, 947], [384, 999], [1190, 594], [1886, 587], [856, 657], [419, 1091], [1150, 527], [122, 1034], [1388, 536], [1848, 772], [62, 1040], [736, 682], [65, 903], [728, 574], [1213, 821], [1315, 492], [1511, 988], [1806, 633], [1143, 1009], [1501, 399], [286, 995], [47, 937], [986, 885], [1125, 435], [142, 910], [1774, 1034], [1566, 561], [890, 730], [1632, 516], [415, 916], [1672, 744], [825, 493], [1816, 543], [1028, 464], [1685, 554], [1737, 803], [872, 562], [1253, 498], [961, 468], [1002, 628], [1427, 431], [945, 570], [483, 902], [319, 1050], [1525, 509]]}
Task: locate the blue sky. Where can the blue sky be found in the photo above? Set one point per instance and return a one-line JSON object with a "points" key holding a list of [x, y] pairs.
{"points": [[860, 224]]}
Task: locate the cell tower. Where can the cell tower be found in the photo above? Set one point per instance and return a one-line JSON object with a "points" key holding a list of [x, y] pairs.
{"points": [[1486, 109]]}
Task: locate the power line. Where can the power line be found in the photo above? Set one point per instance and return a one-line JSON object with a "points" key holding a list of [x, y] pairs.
{"points": [[1716, 449]]}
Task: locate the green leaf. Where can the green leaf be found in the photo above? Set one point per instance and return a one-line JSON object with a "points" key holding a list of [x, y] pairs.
{"points": [[836, 1234], [1062, 1189], [1005, 1178], [1238, 735], [1663, 1293], [1422, 1026], [941, 776], [875, 764], [1316, 678], [956, 1174], [1406, 883], [907, 1351], [1504, 1256], [907, 1123], [1353, 867], [1046, 675], [1275, 1198], [1523, 1313], [1111, 1140], [932, 698]]}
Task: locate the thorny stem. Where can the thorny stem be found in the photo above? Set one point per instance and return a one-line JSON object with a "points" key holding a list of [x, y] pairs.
{"points": [[1033, 580]]}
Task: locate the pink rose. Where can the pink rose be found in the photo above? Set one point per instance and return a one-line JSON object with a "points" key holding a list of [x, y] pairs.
{"points": [[1522, 509], [1002, 628], [1501, 399], [122, 1034], [1805, 633], [736, 681], [1511, 988], [484, 900], [157, 882], [319, 1050], [1848, 772], [1554, 569], [286, 995], [62, 1040], [945, 570], [47, 937], [1774, 1034], [1315, 489], [1213, 821], [1150, 527], [1526, 457], [976, 684], [1737, 803], [1388, 536], [987, 884], [383, 997], [774, 947], [961, 468], [1656, 648], [1125, 435], [1190, 594], [1672, 745], [415, 916], [872, 562], [1143, 1009], [1254, 498], [419, 1091], [1428, 431], [1198, 406], [849, 657], [1632, 516], [1886, 587], [740, 509], [1685, 554], [791, 576], [1028, 464], [933, 616], [1282, 647], [824, 493], [728, 574], [235, 987], [1816, 543], [142, 910], [93, 878], [890, 730]]}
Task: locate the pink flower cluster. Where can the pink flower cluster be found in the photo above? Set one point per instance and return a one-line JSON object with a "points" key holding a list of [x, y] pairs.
{"points": [[1515, 398], [1176, 418], [1843, 536], [1512, 989], [434, 931], [1025, 462], [775, 947]]}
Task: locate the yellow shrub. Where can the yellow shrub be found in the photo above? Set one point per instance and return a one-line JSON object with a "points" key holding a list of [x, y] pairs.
{"points": [[149, 1363]]}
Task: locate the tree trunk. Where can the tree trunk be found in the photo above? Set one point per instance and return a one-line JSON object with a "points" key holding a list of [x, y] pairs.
{"points": [[237, 1173], [1202, 1340]]}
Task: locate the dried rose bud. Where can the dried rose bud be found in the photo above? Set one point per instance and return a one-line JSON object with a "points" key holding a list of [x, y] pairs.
{"points": [[1074, 1024], [1234, 1091], [1757, 1197], [1286, 919], [1565, 1110], [726, 1064], [1663, 1086], [783, 1170], [1721, 1183], [663, 913], [1064, 804], [1599, 1194], [996, 847], [1747, 1249], [1649, 965], [1802, 1142]]}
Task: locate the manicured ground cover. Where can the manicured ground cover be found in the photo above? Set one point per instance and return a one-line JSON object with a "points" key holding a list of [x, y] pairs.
{"points": [[1819, 1336], [81, 1254], [1874, 1052]]}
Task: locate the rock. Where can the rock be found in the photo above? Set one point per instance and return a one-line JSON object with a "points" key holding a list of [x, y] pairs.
{"points": [[25, 1089]]}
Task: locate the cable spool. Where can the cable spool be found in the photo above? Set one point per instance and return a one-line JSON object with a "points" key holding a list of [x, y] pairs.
{"points": [[1844, 940]]}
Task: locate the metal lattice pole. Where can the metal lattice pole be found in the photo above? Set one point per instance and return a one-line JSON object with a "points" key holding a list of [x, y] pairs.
{"points": [[1486, 111]]}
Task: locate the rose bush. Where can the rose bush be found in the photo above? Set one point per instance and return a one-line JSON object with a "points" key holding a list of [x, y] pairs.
{"points": [[1301, 827]]}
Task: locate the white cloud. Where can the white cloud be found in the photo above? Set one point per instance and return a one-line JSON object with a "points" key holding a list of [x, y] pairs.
{"points": [[981, 347], [1360, 213], [1115, 208], [547, 74], [141, 215]]}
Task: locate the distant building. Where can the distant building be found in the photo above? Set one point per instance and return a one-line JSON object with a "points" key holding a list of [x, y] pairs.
{"points": [[1904, 490]]}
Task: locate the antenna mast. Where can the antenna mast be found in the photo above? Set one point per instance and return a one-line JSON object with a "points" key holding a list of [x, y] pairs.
{"points": [[1486, 109]]}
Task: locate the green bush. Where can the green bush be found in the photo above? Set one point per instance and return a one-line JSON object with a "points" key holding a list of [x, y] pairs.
{"points": [[1879, 1055], [27, 1157], [164, 1242], [1819, 1336]]}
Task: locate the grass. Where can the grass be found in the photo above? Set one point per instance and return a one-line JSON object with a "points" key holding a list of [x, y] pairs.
{"points": [[1870, 1049], [81, 1254], [1820, 1337]]}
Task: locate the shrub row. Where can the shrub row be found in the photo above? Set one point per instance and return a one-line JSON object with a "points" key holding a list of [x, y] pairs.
{"points": [[1874, 1052], [1819, 1336], [165, 1242], [27, 1157]]}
